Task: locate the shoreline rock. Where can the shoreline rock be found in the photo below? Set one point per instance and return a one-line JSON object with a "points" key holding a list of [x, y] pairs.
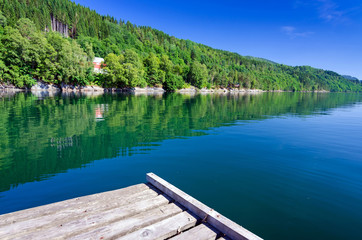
{"points": [[136, 90], [72, 88], [190, 90], [43, 89], [218, 90], [11, 88]]}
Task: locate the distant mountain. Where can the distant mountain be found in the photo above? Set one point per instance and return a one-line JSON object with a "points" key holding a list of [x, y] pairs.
{"points": [[134, 55], [351, 78]]}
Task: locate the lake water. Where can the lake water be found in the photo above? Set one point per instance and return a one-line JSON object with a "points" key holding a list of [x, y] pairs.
{"points": [[283, 165]]}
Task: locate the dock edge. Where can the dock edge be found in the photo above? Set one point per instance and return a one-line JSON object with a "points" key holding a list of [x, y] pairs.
{"points": [[215, 219]]}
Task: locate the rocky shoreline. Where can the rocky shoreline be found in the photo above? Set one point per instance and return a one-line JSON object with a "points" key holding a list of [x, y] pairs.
{"points": [[67, 88], [48, 89], [193, 90]]}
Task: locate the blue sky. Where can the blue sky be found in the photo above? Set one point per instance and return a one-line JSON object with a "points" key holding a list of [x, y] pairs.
{"points": [[325, 34]]}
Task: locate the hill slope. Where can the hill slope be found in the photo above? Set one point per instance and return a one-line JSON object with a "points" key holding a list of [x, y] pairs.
{"points": [[134, 55], [350, 78]]}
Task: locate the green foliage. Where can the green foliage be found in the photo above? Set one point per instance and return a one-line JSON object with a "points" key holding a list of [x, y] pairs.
{"points": [[147, 56], [27, 53], [123, 70], [173, 82], [72, 61], [154, 75], [198, 75], [80, 20], [2, 20]]}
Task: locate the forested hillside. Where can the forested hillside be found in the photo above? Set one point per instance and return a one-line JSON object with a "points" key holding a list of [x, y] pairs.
{"points": [[134, 55]]}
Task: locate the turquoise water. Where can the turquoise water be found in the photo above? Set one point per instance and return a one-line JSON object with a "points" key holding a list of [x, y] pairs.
{"points": [[283, 165]]}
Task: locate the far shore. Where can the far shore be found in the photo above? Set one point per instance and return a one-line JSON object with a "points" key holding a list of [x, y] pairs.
{"points": [[45, 89]]}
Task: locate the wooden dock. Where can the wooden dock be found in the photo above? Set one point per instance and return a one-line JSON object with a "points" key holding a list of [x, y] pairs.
{"points": [[155, 210]]}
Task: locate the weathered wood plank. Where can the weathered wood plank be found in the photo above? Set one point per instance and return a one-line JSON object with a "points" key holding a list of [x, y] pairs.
{"points": [[164, 229], [87, 221], [124, 194], [200, 232], [215, 219], [73, 212], [129, 225]]}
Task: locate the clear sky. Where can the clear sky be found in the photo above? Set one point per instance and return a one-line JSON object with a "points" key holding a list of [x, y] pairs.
{"points": [[325, 34]]}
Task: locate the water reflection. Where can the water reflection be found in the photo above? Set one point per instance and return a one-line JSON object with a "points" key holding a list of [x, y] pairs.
{"points": [[61, 143], [100, 109], [41, 136]]}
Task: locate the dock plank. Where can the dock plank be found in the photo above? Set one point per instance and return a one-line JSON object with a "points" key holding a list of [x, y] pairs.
{"points": [[124, 195], [129, 225], [155, 210], [65, 226], [200, 232], [78, 211], [164, 229], [215, 219]]}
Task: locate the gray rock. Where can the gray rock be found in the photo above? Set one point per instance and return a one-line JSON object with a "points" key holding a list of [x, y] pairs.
{"points": [[98, 89], [67, 87], [42, 86], [187, 90], [85, 89], [145, 90], [11, 88]]}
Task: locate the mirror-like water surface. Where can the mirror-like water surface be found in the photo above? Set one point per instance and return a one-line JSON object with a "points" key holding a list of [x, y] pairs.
{"points": [[283, 165]]}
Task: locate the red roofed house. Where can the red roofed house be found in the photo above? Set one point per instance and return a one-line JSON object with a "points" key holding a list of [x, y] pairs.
{"points": [[97, 62]]}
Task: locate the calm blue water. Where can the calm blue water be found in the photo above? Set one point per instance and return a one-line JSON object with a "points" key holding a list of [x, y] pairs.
{"points": [[283, 165]]}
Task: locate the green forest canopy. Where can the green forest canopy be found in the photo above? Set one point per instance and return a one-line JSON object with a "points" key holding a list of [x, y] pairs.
{"points": [[134, 55]]}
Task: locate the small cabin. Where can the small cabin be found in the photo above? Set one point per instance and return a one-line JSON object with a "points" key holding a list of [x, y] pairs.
{"points": [[97, 63]]}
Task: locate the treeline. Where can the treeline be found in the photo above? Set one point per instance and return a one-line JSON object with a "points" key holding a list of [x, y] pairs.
{"points": [[140, 56]]}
